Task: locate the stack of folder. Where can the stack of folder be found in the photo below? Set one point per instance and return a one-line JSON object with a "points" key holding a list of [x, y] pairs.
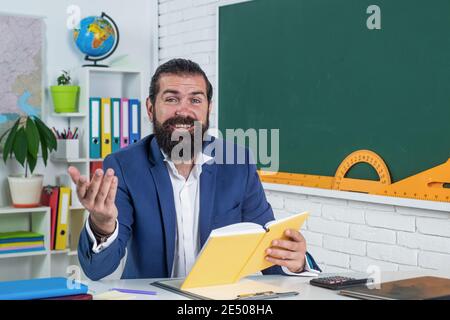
{"points": [[21, 241], [59, 200], [114, 123]]}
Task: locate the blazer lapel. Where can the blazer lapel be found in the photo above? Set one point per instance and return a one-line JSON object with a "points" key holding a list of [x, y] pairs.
{"points": [[207, 196], [165, 196]]}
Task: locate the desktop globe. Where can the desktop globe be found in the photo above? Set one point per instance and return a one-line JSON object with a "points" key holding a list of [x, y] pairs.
{"points": [[97, 37]]}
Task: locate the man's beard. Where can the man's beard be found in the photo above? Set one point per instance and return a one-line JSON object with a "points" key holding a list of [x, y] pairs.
{"points": [[180, 145]]}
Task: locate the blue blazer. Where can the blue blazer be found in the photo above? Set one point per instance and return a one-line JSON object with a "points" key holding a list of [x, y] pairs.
{"points": [[229, 193]]}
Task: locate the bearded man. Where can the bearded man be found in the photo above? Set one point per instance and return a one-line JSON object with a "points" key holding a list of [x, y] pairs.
{"points": [[160, 198]]}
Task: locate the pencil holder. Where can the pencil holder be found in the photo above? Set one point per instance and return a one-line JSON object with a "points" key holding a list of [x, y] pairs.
{"points": [[67, 149]]}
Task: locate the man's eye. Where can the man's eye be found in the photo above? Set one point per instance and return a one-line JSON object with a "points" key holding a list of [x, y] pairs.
{"points": [[171, 100], [196, 101]]}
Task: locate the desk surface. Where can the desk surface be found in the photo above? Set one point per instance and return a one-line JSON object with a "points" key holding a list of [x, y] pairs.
{"points": [[292, 283]]}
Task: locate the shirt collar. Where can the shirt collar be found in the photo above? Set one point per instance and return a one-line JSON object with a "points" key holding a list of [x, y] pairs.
{"points": [[199, 160]]}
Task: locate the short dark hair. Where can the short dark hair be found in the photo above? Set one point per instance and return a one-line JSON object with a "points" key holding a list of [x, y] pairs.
{"points": [[178, 67]]}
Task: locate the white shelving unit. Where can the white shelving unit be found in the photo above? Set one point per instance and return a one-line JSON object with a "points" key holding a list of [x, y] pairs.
{"points": [[93, 82], [35, 264]]}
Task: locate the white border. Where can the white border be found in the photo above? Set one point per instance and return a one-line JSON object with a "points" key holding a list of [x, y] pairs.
{"points": [[403, 202]]}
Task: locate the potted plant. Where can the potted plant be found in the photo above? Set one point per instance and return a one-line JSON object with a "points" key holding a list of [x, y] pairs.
{"points": [[22, 141], [65, 96]]}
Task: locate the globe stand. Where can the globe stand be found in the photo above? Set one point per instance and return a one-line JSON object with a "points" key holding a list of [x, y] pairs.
{"points": [[94, 64], [95, 60]]}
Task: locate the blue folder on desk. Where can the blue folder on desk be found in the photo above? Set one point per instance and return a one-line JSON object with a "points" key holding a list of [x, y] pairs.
{"points": [[40, 288]]}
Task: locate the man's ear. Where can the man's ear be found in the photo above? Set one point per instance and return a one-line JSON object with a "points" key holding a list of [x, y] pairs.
{"points": [[149, 109], [210, 108]]}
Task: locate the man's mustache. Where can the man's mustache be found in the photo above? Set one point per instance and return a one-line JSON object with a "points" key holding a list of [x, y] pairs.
{"points": [[178, 120]]}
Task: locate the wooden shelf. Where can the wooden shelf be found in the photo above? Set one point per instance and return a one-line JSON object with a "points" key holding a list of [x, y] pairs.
{"points": [[65, 251], [68, 252], [72, 253], [24, 254], [75, 160], [77, 208], [13, 210], [69, 115]]}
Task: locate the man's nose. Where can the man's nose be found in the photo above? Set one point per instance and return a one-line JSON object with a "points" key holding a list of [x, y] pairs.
{"points": [[183, 108]]}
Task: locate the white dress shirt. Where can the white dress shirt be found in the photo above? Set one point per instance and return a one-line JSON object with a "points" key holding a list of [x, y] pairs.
{"points": [[186, 194]]}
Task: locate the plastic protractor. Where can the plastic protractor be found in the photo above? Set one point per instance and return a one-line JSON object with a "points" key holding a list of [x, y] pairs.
{"points": [[361, 156]]}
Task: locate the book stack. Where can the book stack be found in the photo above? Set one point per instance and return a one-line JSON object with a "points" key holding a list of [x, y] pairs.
{"points": [[21, 241]]}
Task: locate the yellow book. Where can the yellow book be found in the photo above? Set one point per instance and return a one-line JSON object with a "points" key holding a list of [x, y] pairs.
{"points": [[105, 115], [21, 244], [238, 250]]}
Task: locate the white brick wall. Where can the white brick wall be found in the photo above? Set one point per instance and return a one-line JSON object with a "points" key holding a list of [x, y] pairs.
{"points": [[372, 234], [353, 235], [341, 234], [187, 28]]}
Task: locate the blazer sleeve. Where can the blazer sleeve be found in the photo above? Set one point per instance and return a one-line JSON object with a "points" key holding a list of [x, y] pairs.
{"points": [[99, 265]]}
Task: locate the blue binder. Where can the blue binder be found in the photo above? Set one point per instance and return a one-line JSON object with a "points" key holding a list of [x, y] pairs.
{"points": [[40, 288], [115, 123], [94, 128], [135, 120]]}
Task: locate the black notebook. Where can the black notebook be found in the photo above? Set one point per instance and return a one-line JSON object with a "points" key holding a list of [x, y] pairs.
{"points": [[421, 288]]}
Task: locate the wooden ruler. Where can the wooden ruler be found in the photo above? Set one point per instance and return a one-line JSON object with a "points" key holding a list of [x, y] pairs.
{"points": [[431, 184]]}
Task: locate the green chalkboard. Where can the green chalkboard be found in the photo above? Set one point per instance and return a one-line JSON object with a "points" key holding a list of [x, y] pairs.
{"points": [[314, 70]]}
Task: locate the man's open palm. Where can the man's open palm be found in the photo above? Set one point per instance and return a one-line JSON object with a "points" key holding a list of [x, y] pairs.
{"points": [[98, 197]]}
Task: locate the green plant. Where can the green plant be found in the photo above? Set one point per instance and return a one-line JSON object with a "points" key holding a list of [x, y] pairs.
{"points": [[23, 140], [64, 79]]}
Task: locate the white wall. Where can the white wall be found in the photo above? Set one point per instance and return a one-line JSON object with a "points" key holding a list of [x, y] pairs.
{"points": [[187, 28], [341, 234], [351, 235], [137, 29]]}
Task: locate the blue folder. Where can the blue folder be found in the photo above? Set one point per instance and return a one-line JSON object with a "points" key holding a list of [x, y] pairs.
{"points": [[135, 120], [40, 288], [115, 123], [94, 128]]}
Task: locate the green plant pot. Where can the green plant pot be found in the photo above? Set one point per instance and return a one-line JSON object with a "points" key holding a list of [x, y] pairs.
{"points": [[65, 98]]}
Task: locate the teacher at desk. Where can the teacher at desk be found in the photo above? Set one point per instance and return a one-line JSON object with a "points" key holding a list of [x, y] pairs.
{"points": [[160, 198]]}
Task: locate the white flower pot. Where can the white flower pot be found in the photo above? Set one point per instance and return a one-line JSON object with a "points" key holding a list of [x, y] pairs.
{"points": [[26, 192]]}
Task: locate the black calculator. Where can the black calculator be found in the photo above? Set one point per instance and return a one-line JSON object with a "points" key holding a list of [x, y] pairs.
{"points": [[338, 282]]}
